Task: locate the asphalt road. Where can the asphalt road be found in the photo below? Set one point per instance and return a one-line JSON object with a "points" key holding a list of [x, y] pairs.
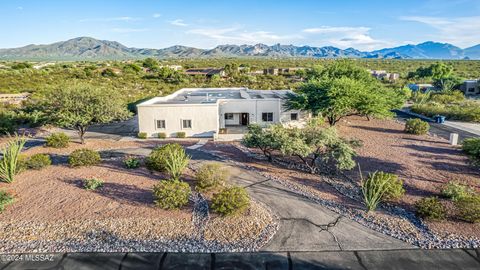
{"points": [[439, 130]]}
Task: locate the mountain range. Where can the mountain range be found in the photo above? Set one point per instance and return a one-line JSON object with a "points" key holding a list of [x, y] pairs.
{"points": [[87, 48]]}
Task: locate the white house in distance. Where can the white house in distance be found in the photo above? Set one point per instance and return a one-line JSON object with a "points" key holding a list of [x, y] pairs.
{"points": [[204, 112]]}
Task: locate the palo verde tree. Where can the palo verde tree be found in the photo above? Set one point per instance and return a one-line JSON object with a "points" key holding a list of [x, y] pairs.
{"points": [[265, 139], [81, 105], [342, 89]]}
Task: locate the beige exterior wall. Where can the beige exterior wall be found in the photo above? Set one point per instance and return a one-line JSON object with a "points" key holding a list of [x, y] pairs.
{"points": [[204, 118]]}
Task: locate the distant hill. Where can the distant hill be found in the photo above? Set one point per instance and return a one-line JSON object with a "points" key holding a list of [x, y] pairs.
{"points": [[87, 48]]}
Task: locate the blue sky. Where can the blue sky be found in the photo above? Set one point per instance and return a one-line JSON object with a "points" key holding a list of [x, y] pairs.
{"points": [[364, 25]]}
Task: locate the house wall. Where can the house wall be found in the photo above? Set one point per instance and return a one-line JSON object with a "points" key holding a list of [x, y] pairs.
{"points": [[255, 108], [467, 86], [205, 119]]}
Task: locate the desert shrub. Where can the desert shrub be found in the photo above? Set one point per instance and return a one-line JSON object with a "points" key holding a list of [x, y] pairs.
{"points": [[447, 98], [181, 134], [395, 188], [142, 135], [464, 111], [430, 208], [5, 199], [456, 191], [469, 208], [471, 147], [57, 140], [230, 201], [170, 158], [38, 161], [374, 189], [92, 183], [22, 163], [171, 194], [83, 157], [9, 162], [162, 135], [416, 126], [211, 176], [131, 162]]}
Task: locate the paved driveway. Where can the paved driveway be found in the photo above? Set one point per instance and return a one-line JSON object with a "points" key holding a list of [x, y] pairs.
{"points": [[304, 224]]}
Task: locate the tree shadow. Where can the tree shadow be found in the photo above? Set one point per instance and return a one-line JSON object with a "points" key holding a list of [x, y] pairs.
{"points": [[381, 130], [434, 150]]}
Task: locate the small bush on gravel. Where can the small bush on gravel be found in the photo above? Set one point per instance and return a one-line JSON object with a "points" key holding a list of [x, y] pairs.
{"points": [[92, 184], [181, 134], [395, 188], [170, 158], [5, 199], [162, 135], [471, 147], [57, 140], [171, 194], [83, 157], [430, 208], [469, 208], [230, 201], [456, 191], [38, 161], [211, 176], [374, 189], [131, 162], [142, 135], [416, 126]]}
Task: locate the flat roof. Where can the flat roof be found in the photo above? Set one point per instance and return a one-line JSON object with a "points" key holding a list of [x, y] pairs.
{"points": [[212, 95]]}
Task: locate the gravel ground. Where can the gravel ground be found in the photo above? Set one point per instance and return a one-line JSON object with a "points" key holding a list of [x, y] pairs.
{"points": [[340, 196], [53, 213]]}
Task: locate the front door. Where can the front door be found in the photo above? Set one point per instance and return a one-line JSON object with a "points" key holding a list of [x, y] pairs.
{"points": [[244, 119]]}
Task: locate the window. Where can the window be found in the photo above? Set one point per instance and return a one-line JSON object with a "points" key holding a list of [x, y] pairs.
{"points": [[229, 116], [267, 117], [161, 124], [294, 116], [186, 123], [471, 89]]}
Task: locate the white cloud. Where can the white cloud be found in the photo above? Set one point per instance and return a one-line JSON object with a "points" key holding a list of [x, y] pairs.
{"points": [[156, 15], [178, 22], [345, 36], [113, 19], [129, 30], [462, 31], [20, 8], [237, 34]]}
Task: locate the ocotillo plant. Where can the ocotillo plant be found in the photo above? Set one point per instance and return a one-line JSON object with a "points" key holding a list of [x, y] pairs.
{"points": [[9, 161]]}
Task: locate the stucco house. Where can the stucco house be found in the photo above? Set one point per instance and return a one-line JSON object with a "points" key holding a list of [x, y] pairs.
{"points": [[207, 112]]}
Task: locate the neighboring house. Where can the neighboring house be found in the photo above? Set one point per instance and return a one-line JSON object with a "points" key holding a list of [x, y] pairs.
{"points": [[202, 112], [173, 67], [282, 71], [423, 87], [207, 72], [384, 75], [13, 98], [471, 87], [42, 65]]}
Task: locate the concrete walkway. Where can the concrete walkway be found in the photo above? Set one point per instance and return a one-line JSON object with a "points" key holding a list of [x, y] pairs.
{"points": [[304, 224], [361, 260]]}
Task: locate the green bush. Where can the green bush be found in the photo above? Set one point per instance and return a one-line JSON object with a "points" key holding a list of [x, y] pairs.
{"points": [[131, 162], [230, 201], [83, 157], [211, 176], [5, 199], [57, 140], [38, 161], [395, 188], [170, 158], [456, 191], [468, 111], [142, 135], [92, 184], [469, 208], [9, 162], [430, 208], [447, 98], [374, 189], [162, 135], [171, 194], [471, 147], [416, 126], [181, 134]]}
